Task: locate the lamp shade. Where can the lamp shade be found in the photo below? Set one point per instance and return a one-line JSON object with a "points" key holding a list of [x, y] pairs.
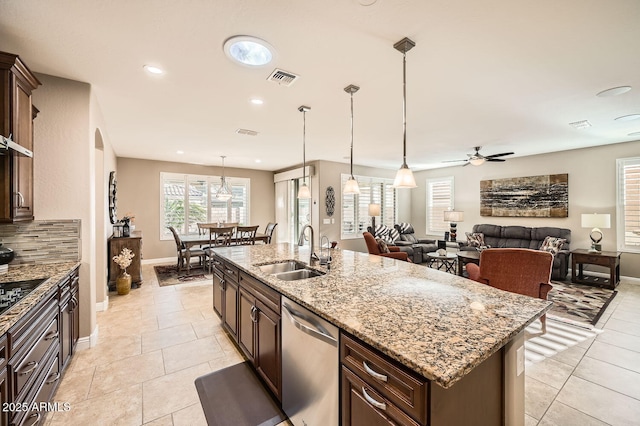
{"points": [[404, 178], [351, 186], [595, 220], [303, 192], [453, 216], [374, 209]]}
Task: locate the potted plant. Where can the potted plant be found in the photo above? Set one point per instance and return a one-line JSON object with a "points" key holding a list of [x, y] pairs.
{"points": [[123, 282]]}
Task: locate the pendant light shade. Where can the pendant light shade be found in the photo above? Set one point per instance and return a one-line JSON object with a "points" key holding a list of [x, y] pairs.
{"points": [[223, 193], [303, 192], [404, 177], [351, 186]]}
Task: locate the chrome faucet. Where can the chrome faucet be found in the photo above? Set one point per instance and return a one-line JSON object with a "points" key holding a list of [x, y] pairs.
{"points": [[301, 242]]}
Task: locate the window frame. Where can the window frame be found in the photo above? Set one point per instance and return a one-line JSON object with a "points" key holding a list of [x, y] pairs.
{"points": [[212, 183], [388, 207], [622, 200], [429, 201]]}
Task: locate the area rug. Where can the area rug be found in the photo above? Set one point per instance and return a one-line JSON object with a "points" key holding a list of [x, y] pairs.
{"points": [[580, 304], [168, 275]]}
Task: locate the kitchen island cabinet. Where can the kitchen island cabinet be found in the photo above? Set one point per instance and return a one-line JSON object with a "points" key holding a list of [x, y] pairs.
{"points": [[415, 322]]}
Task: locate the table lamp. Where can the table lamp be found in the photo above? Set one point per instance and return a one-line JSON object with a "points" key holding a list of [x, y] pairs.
{"points": [[374, 210], [453, 217], [596, 221]]}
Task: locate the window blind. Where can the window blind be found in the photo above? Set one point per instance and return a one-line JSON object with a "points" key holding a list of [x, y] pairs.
{"points": [[439, 200], [355, 207], [628, 206]]}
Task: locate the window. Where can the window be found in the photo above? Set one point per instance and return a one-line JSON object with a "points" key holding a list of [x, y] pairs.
{"points": [[628, 213], [189, 199], [355, 207], [439, 200]]}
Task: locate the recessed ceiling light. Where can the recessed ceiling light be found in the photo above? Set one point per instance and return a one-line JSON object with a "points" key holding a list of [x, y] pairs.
{"points": [[629, 117], [249, 51], [153, 69], [615, 91], [258, 161], [179, 152], [257, 101]]}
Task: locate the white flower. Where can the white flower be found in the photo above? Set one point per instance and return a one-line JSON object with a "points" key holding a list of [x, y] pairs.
{"points": [[124, 258]]}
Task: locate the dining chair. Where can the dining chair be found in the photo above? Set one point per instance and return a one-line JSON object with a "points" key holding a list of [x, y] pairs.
{"points": [[246, 235], [182, 250], [269, 231], [218, 237]]}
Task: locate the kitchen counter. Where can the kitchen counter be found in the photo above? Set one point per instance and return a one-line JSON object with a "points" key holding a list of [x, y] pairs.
{"points": [[54, 271], [419, 316]]}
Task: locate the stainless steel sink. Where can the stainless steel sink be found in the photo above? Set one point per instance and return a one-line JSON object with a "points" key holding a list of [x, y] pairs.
{"points": [[290, 270], [300, 274], [276, 268]]}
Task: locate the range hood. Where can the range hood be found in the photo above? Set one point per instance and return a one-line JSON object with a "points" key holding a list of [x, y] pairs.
{"points": [[7, 144]]}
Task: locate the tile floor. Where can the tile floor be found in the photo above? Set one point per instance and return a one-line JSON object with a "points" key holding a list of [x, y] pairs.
{"points": [[154, 342]]}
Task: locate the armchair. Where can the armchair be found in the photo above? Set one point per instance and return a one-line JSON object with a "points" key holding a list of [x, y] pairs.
{"points": [[372, 247], [522, 271]]}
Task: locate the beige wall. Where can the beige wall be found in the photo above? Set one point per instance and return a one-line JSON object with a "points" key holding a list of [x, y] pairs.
{"points": [[139, 194], [64, 164], [592, 188]]}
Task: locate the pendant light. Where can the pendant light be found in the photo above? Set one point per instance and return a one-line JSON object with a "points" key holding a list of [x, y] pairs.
{"points": [[351, 186], [404, 177], [303, 191], [224, 193]]}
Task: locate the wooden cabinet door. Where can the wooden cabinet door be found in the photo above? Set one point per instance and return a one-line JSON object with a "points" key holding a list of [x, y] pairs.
{"points": [[23, 166], [246, 324], [358, 411], [218, 293], [4, 397], [230, 317], [66, 315], [268, 354]]}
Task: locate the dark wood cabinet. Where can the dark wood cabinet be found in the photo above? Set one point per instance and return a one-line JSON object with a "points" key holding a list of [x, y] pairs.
{"points": [[246, 324], [69, 317], [4, 387], [218, 292], [115, 246], [230, 315], [17, 83]]}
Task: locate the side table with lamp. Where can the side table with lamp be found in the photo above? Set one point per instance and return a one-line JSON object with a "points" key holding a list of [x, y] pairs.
{"points": [[595, 255]]}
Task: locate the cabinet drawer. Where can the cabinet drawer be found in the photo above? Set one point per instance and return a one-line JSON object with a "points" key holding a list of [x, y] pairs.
{"points": [[405, 389], [31, 364], [41, 393], [24, 333], [264, 293], [230, 271]]}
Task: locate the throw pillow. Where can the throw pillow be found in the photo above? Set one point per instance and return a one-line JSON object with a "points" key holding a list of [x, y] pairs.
{"points": [[475, 239], [393, 235], [552, 244], [382, 246]]}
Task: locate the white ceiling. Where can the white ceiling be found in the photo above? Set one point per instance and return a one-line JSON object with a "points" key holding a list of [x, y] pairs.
{"points": [[508, 75]]}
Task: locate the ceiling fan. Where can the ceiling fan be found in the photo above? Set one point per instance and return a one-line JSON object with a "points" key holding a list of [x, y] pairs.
{"points": [[478, 159]]}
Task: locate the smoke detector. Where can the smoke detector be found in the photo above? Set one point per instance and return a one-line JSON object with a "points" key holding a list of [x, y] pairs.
{"points": [[283, 78]]}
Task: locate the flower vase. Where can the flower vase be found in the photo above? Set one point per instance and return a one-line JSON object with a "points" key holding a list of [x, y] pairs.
{"points": [[123, 283]]}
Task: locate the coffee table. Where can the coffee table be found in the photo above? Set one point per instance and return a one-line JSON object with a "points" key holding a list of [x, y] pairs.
{"points": [[467, 256], [447, 261]]}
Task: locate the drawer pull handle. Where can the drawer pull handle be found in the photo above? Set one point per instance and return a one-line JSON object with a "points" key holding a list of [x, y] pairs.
{"points": [[52, 335], [33, 364], [37, 417], [380, 405], [229, 271], [372, 373], [55, 379]]}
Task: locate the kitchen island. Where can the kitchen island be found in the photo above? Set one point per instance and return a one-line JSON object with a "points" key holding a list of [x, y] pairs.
{"points": [[440, 326]]}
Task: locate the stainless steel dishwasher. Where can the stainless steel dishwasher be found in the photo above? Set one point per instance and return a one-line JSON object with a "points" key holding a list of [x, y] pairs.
{"points": [[310, 367]]}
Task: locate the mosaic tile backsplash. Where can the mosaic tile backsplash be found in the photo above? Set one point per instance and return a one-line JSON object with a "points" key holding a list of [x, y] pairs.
{"points": [[42, 241]]}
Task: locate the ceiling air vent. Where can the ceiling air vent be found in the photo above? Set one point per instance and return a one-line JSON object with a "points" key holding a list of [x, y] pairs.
{"points": [[247, 132], [583, 124], [283, 78]]}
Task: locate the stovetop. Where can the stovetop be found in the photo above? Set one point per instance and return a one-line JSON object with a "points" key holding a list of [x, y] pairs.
{"points": [[12, 292]]}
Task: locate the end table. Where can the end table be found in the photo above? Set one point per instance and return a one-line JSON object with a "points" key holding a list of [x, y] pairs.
{"points": [[609, 259]]}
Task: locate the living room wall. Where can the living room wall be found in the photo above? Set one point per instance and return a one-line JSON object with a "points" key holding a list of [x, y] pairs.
{"points": [[592, 189]]}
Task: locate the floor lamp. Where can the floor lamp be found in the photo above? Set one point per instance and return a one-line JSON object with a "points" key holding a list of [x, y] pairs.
{"points": [[374, 210]]}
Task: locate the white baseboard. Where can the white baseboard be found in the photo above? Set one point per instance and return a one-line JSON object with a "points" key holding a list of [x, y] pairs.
{"points": [[88, 341], [102, 306], [160, 260]]}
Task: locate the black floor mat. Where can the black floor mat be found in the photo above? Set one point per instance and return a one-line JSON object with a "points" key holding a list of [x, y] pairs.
{"points": [[235, 396]]}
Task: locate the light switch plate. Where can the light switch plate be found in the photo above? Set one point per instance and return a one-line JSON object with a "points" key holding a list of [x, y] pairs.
{"points": [[520, 360]]}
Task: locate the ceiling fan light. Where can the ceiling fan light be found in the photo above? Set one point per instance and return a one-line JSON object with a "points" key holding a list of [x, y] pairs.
{"points": [[404, 178], [303, 192], [351, 186], [476, 161]]}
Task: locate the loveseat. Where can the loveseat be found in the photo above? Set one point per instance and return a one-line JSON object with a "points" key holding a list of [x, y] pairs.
{"points": [[523, 237]]}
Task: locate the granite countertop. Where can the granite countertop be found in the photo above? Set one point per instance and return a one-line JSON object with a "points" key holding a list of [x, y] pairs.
{"points": [[418, 316], [53, 271]]}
